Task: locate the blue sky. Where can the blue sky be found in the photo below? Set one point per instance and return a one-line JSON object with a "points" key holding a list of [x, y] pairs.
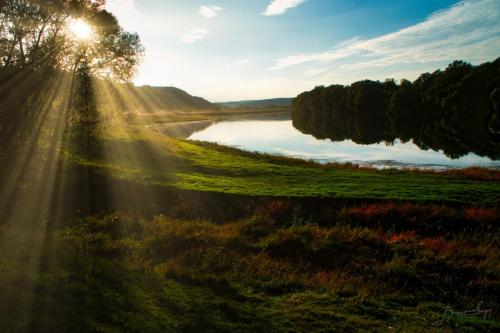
{"points": [[251, 49]]}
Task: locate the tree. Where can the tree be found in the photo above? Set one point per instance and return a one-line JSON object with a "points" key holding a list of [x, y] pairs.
{"points": [[494, 122], [37, 34], [334, 102], [403, 112], [369, 110], [455, 110]]}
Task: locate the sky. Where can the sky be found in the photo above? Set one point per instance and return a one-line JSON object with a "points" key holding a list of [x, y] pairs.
{"points": [[227, 50]]}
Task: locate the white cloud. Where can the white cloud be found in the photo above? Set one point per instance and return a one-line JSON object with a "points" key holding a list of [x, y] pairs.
{"points": [[209, 11], [468, 30], [121, 6], [194, 35], [342, 50], [279, 7], [317, 71]]}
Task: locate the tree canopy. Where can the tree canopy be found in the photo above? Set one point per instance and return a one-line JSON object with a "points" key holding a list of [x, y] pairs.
{"points": [[456, 110], [37, 34]]}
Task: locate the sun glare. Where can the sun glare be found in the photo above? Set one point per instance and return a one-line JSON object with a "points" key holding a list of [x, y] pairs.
{"points": [[81, 29]]}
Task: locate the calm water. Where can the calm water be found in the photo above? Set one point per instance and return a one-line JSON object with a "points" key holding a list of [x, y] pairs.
{"points": [[279, 137]]}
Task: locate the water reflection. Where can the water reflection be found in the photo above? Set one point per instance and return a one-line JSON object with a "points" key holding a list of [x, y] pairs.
{"points": [[281, 138]]}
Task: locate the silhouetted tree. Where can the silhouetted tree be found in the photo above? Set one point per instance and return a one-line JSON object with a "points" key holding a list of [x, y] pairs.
{"points": [[455, 110], [403, 112]]}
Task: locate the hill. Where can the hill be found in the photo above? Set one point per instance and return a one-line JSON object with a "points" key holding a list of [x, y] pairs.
{"points": [[169, 99], [274, 102]]}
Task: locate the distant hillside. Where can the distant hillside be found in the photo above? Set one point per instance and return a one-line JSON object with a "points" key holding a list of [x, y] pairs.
{"points": [[258, 103], [169, 99]]}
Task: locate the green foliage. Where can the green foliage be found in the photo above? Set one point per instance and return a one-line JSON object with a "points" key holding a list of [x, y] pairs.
{"points": [[36, 34], [83, 123], [455, 110]]}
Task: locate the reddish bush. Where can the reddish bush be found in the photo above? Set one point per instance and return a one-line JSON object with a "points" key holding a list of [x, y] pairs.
{"points": [[401, 237], [438, 244], [480, 214], [424, 219], [371, 211], [476, 173]]}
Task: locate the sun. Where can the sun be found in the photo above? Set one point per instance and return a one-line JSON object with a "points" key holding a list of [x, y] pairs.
{"points": [[81, 29]]}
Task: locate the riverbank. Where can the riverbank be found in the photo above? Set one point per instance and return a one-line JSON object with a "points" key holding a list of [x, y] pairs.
{"points": [[280, 137], [171, 117], [182, 124], [141, 155]]}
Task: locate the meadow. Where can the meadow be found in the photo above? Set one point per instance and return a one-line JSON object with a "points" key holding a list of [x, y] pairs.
{"points": [[111, 221], [212, 168], [182, 236]]}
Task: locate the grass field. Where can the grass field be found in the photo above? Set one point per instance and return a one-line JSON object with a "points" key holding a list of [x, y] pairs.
{"points": [[168, 235], [158, 160]]}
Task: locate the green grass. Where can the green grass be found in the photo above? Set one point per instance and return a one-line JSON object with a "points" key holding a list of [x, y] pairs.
{"points": [[159, 160]]}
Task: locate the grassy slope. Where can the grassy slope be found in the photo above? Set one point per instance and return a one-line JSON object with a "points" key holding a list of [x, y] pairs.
{"points": [[208, 167]]}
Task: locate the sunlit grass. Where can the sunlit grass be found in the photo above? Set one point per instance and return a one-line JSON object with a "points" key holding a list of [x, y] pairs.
{"points": [[193, 166]]}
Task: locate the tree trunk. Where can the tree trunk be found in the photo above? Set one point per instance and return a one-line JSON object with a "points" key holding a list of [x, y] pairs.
{"points": [[39, 40]]}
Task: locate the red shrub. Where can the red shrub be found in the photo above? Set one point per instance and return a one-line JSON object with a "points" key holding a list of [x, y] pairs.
{"points": [[438, 244], [481, 214], [401, 237], [373, 210], [476, 173], [406, 209]]}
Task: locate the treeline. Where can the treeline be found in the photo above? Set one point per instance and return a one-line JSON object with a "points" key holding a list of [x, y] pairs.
{"points": [[456, 110]]}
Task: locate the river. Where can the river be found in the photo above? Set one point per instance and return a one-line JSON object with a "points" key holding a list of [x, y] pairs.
{"points": [[279, 137]]}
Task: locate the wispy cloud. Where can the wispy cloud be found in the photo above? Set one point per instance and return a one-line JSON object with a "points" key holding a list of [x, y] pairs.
{"points": [[340, 51], [194, 35], [279, 7], [209, 11], [469, 30]]}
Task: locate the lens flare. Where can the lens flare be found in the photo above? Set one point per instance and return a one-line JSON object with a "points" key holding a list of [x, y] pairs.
{"points": [[81, 29]]}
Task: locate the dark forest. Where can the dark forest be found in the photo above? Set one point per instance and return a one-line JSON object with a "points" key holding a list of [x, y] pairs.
{"points": [[456, 110]]}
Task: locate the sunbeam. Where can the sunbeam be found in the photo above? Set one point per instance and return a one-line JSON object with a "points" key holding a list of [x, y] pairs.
{"points": [[30, 177], [354, 206]]}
